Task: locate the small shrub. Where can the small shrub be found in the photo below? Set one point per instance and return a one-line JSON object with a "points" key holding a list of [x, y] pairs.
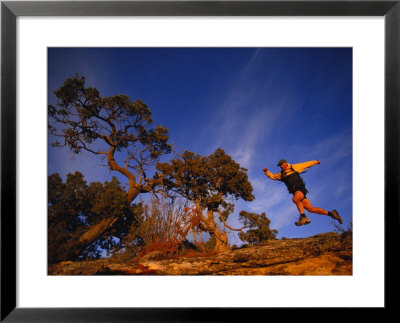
{"points": [[168, 247], [258, 229]]}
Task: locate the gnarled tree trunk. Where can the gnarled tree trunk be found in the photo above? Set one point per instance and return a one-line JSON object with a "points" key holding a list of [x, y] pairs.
{"points": [[78, 244], [207, 224], [99, 229], [221, 238], [221, 241]]}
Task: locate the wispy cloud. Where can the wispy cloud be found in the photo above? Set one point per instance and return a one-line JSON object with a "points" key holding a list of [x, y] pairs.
{"points": [[272, 198], [243, 121], [332, 149], [249, 134]]}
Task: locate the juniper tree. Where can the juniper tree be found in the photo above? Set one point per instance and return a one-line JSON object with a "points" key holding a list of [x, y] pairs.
{"points": [[74, 206], [108, 127], [257, 226], [208, 182]]}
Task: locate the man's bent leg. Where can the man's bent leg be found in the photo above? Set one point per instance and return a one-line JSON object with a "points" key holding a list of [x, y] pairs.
{"points": [[297, 199]]}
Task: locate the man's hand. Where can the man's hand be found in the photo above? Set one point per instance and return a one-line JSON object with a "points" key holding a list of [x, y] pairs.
{"points": [[265, 169]]}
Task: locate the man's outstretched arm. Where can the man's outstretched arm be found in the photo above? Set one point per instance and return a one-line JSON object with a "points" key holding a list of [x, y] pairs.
{"points": [[303, 166], [275, 177]]}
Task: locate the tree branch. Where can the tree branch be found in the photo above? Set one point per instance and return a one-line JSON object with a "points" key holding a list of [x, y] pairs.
{"points": [[226, 224]]}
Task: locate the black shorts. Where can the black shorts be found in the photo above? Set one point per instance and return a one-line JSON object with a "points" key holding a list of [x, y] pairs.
{"points": [[301, 189]]}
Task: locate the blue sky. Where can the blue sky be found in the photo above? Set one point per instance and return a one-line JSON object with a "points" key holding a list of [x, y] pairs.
{"points": [[258, 104]]}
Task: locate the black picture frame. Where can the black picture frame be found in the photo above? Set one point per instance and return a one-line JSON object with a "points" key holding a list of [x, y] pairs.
{"points": [[10, 10]]}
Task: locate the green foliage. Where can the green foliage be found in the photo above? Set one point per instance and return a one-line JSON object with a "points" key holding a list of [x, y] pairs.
{"points": [[74, 206], [86, 117], [209, 179], [258, 229], [118, 130], [208, 182], [84, 120]]}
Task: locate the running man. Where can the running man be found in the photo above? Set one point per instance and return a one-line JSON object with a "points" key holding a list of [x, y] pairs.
{"points": [[290, 175]]}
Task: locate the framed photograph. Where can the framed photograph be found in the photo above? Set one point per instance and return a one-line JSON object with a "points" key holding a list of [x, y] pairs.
{"points": [[339, 64]]}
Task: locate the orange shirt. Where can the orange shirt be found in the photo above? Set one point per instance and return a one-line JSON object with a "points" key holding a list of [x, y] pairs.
{"points": [[297, 167]]}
